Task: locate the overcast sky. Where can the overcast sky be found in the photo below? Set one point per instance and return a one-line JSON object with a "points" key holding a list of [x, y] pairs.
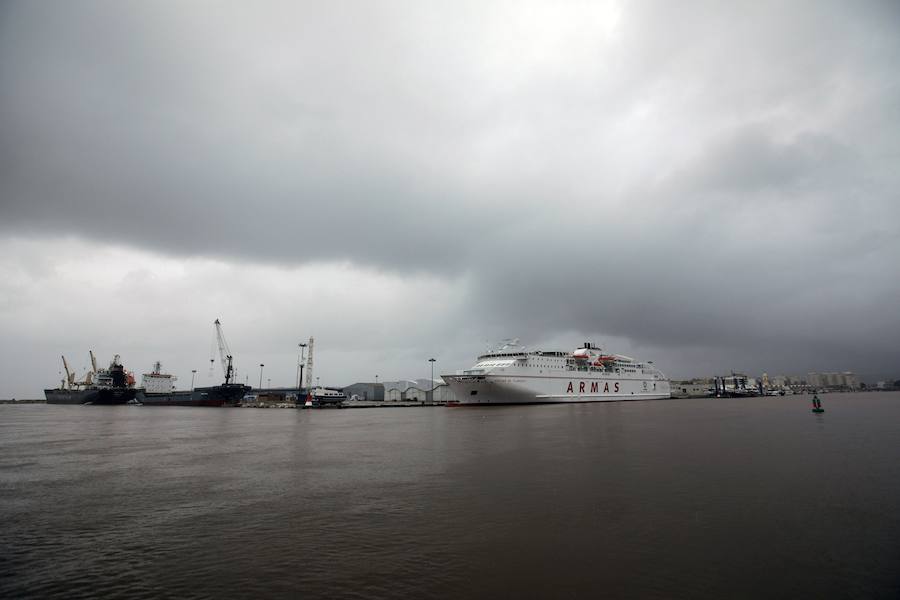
{"points": [[708, 185]]}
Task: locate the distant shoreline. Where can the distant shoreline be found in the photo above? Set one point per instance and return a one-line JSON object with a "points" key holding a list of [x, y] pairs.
{"points": [[23, 401]]}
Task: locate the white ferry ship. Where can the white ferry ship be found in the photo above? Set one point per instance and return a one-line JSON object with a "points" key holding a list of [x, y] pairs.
{"points": [[514, 375]]}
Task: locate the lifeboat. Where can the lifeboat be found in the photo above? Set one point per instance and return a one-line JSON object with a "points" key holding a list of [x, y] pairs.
{"points": [[602, 360]]}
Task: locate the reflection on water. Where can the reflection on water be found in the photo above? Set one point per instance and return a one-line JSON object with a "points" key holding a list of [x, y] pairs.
{"points": [[689, 498]]}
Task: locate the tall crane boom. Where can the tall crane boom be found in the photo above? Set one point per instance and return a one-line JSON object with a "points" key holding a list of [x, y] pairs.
{"points": [[93, 362], [224, 353]]}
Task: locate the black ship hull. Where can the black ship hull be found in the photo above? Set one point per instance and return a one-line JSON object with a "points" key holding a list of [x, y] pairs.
{"points": [[101, 396], [218, 395], [182, 398]]}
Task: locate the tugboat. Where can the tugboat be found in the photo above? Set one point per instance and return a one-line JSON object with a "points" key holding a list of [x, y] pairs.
{"points": [[322, 397], [113, 385]]}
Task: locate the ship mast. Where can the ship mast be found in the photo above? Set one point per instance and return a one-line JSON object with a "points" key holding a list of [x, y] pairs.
{"points": [[224, 353]]}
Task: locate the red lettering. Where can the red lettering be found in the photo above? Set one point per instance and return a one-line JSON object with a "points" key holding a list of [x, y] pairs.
{"points": [[606, 387], [594, 387], [581, 387], [617, 387], [569, 390]]}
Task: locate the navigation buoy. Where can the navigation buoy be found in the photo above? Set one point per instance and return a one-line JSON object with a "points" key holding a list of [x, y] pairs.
{"points": [[817, 404]]}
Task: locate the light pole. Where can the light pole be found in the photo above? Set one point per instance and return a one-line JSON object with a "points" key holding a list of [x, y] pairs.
{"points": [[317, 382], [260, 374], [300, 366], [431, 360], [193, 372]]}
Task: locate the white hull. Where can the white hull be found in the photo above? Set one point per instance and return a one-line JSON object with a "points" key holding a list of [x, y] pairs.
{"points": [[543, 390]]}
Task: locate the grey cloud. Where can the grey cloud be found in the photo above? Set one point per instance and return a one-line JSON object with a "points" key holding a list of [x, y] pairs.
{"points": [[751, 161]]}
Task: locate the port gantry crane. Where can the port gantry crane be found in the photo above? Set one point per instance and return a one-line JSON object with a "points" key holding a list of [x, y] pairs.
{"points": [[309, 370], [224, 353]]}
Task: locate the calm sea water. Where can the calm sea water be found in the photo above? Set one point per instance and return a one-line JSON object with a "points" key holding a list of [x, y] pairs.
{"points": [[697, 498]]}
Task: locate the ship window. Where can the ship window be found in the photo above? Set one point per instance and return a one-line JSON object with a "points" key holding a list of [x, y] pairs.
{"points": [[473, 392]]}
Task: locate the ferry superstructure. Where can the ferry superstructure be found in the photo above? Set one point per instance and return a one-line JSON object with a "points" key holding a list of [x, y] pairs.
{"points": [[514, 375]]}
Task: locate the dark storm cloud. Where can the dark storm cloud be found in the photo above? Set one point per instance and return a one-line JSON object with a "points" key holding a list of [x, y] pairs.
{"points": [[750, 160], [757, 248], [715, 177], [108, 128]]}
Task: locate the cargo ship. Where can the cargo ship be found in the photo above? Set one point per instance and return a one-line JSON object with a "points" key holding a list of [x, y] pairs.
{"points": [[113, 385], [158, 389], [514, 375]]}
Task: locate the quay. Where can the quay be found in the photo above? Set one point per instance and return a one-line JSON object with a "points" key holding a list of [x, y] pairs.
{"points": [[345, 404]]}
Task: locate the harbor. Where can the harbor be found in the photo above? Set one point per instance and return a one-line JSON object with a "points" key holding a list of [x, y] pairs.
{"points": [[415, 503], [508, 374]]}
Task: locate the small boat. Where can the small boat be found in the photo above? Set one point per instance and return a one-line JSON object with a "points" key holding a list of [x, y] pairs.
{"points": [[322, 397]]}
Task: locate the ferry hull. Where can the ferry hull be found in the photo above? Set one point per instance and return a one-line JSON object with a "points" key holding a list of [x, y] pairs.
{"points": [[490, 390]]}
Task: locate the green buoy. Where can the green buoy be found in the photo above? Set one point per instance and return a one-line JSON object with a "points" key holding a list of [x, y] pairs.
{"points": [[817, 404]]}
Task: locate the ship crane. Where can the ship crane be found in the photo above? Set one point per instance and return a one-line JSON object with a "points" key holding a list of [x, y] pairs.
{"points": [[224, 353], [70, 377]]}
